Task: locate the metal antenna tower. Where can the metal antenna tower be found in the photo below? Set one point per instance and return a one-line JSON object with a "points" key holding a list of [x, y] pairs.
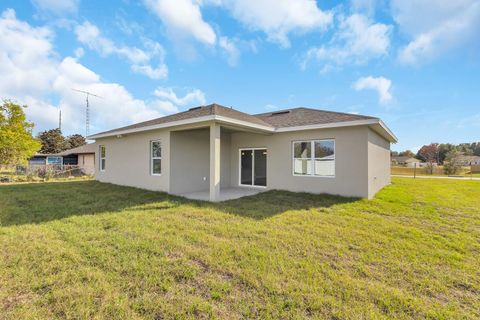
{"points": [[87, 109]]}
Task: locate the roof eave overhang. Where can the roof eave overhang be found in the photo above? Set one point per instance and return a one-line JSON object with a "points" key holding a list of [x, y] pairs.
{"points": [[210, 118], [376, 124]]}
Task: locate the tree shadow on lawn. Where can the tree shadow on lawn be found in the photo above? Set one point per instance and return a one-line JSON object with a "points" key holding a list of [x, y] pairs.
{"points": [[270, 203], [43, 202]]}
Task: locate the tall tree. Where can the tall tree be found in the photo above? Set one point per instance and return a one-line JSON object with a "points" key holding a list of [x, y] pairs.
{"points": [[53, 141], [407, 153], [452, 164], [443, 150], [476, 150], [76, 140], [428, 153], [16, 141]]}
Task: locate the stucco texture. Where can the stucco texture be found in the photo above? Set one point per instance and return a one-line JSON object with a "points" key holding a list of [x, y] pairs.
{"points": [[362, 160]]}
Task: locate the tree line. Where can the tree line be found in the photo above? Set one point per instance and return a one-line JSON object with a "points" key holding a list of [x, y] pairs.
{"points": [[439, 152], [17, 143]]}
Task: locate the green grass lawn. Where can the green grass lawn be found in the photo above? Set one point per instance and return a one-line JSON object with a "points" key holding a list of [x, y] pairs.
{"points": [[86, 250]]}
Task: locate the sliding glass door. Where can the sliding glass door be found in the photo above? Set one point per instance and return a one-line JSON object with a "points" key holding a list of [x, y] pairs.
{"points": [[253, 167]]}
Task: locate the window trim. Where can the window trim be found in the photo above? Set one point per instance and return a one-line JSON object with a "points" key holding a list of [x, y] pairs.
{"points": [[155, 158], [253, 167], [312, 157], [102, 158]]}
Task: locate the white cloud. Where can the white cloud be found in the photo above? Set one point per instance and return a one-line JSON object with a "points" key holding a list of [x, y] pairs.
{"points": [[89, 34], [231, 50], [33, 74], [357, 41], [435, 27], [380, 84], [278, 18], [365, 6], [57, 7], [194, 96], [183, 18], [78, 53]]}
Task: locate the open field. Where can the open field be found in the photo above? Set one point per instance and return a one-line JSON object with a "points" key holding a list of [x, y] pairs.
{"points": [[87, 250], [438, 171]]}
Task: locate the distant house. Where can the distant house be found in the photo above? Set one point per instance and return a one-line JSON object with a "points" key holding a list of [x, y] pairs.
{"points": [[466, 160], [406, 161], [83, 156]]}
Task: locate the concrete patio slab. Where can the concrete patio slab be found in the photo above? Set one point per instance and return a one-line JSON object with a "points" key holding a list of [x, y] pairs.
{"points": [[225, 193]]}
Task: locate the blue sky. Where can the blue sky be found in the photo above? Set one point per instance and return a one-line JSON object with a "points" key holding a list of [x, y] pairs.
{"points": [[415, 64]]}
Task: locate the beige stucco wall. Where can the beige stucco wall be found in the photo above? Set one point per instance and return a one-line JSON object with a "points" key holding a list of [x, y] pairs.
{"points": [[351, 153], [128, 161], [378, 163], [361, 168], [190, 160], [190, 156], [87, 163]]}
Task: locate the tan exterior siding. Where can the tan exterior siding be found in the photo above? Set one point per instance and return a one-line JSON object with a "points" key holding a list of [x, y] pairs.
{"points": [[128, 161], [350, 153], [362, 160], [190, 167], [378, 163], [190, 154], [87, 163]]}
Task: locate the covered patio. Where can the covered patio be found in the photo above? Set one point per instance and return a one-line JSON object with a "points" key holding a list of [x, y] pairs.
{"points": [[203, 166]]}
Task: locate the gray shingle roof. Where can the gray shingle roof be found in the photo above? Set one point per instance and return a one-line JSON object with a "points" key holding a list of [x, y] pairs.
{"points": [[88, 148], [212, 109], [305, 116], [278, 119]]}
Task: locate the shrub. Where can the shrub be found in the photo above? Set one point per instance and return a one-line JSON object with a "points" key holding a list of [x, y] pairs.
{"points": [[452, 164]]}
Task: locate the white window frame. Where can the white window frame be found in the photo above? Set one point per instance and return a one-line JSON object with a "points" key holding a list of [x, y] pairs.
{"points": [[102, 158], [155, 158], [312, 158], [253, 168]]}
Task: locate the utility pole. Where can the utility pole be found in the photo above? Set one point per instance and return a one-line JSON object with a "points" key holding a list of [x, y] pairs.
{"points": [[87, 110], [60, 120]]}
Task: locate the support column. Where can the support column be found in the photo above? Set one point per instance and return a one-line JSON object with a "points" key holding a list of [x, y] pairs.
{"points": [[214, 162]]}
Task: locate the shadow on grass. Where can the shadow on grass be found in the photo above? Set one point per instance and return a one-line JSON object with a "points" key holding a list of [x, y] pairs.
{"points": [[43, 202], [271, 203]]}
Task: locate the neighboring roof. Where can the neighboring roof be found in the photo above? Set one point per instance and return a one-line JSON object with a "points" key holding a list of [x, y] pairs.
{"points": [[87, 148], [281, 121], [305, 116], [405, 159], [45, 155]]}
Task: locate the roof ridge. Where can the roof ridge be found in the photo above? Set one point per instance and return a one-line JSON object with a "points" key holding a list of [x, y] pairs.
{"points": [[313, 109]]}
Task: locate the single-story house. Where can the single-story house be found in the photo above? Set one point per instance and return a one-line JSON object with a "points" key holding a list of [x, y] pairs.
{"points": [[466, 160], [215, 153], [83, 157], [406, 161]]}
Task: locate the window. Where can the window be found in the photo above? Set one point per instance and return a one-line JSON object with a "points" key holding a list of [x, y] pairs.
{"points": [[54, 160], [102, 158], [156, 157], [314, 158]]}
